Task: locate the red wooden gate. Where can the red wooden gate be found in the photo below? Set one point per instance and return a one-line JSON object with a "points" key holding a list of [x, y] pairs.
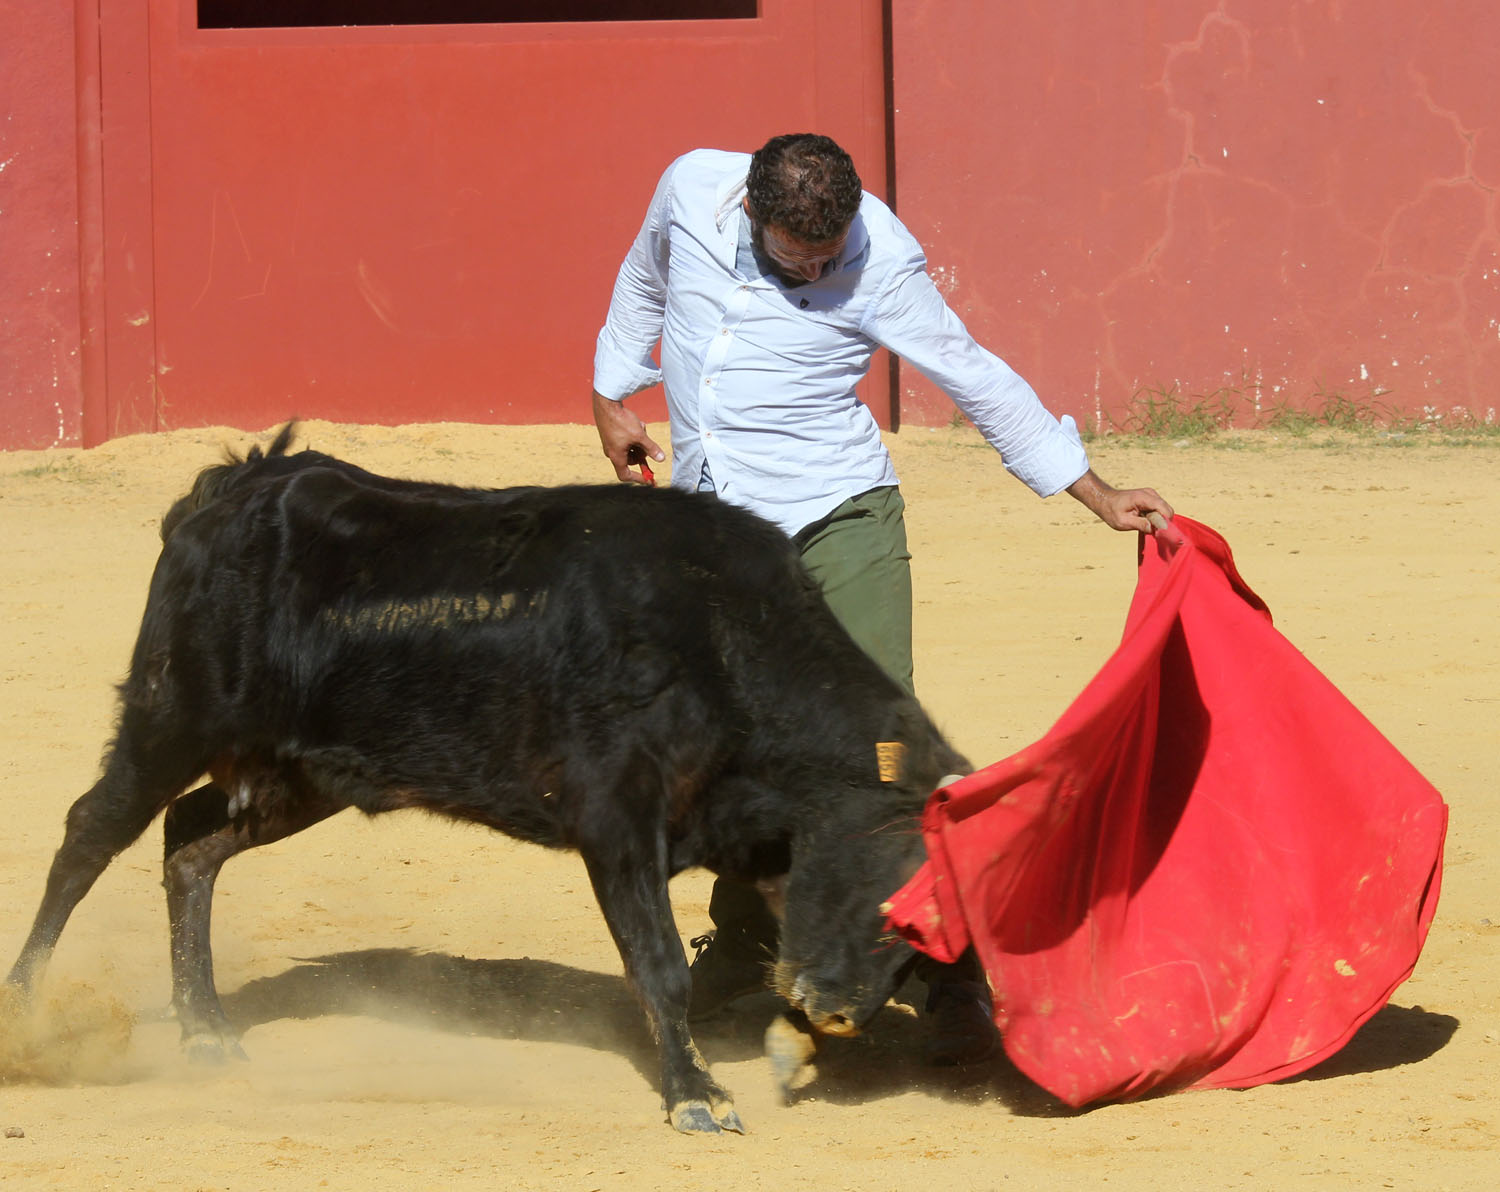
{"points": [[417, 222]]}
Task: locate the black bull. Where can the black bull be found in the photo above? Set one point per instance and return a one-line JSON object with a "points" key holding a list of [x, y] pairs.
{"points": [[646, 676]]}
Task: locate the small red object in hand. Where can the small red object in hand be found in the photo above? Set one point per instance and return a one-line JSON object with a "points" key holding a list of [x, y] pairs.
{"points": [[637, 456]]}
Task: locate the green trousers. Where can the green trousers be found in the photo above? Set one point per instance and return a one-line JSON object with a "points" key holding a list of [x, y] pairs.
{"points": [[859, 557]]}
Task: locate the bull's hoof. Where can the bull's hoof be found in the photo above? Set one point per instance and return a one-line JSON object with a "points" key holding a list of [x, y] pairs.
{"points": [[700, 1117], [791, 1046], [207, 1049]]}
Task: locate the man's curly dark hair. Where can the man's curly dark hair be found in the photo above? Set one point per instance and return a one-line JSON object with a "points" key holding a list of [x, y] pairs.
{"points": [[804, 184]]}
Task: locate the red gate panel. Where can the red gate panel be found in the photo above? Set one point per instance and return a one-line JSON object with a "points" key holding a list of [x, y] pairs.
{"points": [[403, 223]]}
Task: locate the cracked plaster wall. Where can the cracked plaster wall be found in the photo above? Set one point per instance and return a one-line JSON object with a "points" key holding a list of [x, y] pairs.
{"points": [[1278, 201]]}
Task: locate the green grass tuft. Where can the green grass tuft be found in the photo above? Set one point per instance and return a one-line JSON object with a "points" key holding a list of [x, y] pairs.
{"points": [[1166, 413]]}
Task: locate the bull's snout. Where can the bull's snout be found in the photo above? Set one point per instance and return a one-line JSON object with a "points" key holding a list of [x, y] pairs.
{"points": [[826, 1018], [836, 1023]]}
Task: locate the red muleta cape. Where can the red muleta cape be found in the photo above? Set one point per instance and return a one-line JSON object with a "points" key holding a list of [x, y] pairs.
{"points": [[1209, 873]]}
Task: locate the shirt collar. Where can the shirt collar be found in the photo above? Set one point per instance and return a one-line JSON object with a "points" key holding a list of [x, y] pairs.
{"points": [[729, 211], [728, 214]]}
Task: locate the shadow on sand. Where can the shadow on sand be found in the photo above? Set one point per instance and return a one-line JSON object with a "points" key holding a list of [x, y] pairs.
{"points": [[542, 1001], [1394, 1037]]}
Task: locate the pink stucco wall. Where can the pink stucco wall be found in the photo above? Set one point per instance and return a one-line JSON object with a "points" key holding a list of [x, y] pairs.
{"points": [[1274, 201]]}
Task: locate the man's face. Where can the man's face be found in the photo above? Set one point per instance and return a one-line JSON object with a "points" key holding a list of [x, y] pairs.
{"points": [[794, 262]]}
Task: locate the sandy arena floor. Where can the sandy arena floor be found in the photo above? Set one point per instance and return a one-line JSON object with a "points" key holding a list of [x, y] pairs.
{"points": [[433, 1006]]}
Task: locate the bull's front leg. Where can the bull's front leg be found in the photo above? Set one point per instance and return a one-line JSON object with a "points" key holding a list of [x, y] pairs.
{"points": [[630, 882]]}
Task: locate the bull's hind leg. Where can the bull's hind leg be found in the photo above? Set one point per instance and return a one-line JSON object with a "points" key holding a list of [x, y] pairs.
{"points": [[200, 835], [137, 783], [627, 865]]}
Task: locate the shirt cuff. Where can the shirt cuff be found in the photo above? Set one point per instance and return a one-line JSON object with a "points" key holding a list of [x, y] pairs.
{"points": [[618, 375], [1054, 464]]}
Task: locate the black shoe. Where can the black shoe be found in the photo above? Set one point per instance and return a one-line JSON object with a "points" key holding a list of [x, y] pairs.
{"points": [[962, 1030], [728, 966]]}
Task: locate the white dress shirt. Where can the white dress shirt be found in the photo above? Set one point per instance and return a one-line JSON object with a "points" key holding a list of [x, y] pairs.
{"points": [[760, 376]]}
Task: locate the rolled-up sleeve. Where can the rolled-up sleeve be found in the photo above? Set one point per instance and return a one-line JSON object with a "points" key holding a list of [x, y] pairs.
{"points": [[912, 319], [623, 360]]}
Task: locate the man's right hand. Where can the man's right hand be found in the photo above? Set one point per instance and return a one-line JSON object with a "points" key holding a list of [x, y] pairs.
{"points": [[625, 441]]}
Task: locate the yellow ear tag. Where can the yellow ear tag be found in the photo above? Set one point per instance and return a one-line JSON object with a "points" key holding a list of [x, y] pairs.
{"points": [[890, 757]]}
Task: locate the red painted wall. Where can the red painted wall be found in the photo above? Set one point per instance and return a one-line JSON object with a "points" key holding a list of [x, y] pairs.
{"points": [[383, 223], [40, 369], [1282, 199], [1287, 199], [403, 224]]}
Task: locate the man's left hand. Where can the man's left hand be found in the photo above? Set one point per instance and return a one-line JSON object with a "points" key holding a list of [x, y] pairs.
{"points": [[1119, 508]]}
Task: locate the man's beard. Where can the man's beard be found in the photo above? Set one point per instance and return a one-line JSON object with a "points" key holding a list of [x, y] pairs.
{"points": [[767, 265]]}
